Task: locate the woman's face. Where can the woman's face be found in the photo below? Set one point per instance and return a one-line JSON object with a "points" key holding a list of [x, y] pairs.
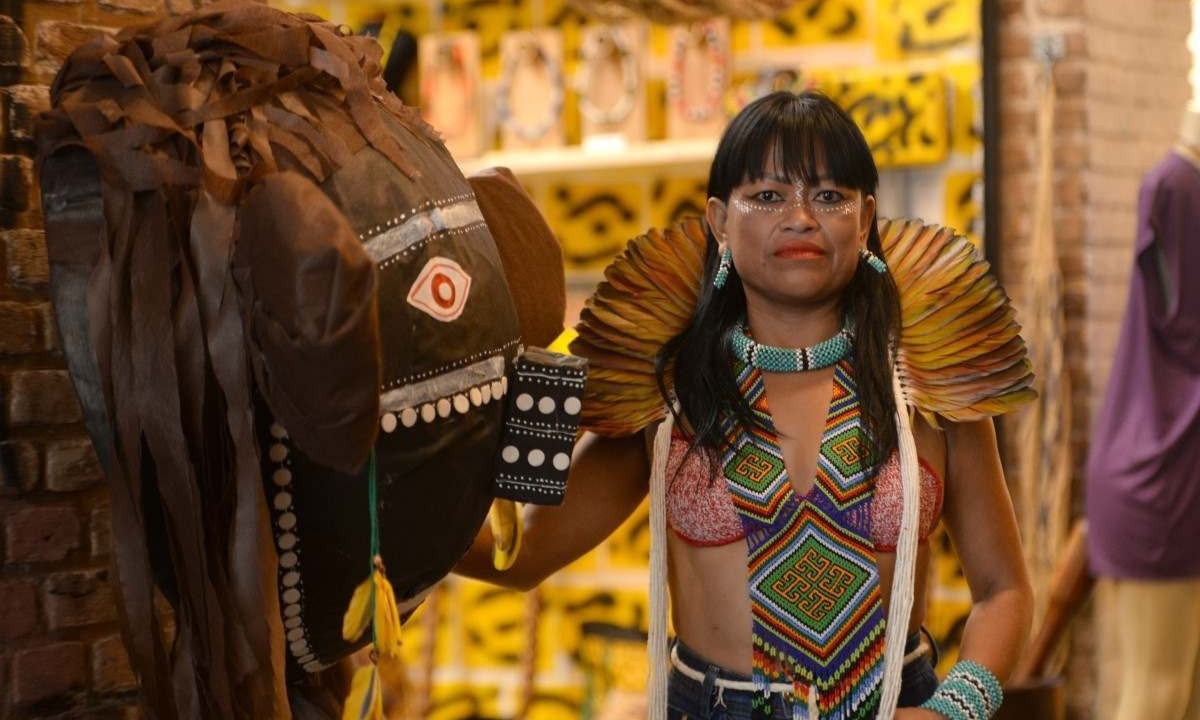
{"points": [[793, 243]]}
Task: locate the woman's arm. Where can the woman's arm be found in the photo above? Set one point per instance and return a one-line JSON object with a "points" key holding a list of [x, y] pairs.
{"points": [[608, 479], [979, 515]]}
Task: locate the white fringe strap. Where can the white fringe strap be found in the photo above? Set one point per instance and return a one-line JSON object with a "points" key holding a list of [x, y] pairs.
{"points": [[903, 582], [656, 649]]}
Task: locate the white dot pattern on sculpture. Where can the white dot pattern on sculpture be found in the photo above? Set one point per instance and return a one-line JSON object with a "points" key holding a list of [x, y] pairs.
{"points": [[291, 591]]}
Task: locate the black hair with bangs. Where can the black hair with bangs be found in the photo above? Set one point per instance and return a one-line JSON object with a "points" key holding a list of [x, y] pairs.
{"points": [[804, 130]]}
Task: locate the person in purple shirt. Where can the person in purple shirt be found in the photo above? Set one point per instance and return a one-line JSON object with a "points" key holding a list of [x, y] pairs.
{"points": [[1143, 470]]}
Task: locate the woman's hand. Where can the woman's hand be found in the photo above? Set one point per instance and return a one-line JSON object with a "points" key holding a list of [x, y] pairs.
{"points": [[916, 714]]}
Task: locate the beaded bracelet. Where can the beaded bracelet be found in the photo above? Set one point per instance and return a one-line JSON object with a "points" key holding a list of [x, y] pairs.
{"points": [[969, 692]]}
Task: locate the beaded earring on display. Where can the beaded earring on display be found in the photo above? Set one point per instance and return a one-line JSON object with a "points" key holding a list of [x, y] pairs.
{"points": [[877, 264], [722, 273]]}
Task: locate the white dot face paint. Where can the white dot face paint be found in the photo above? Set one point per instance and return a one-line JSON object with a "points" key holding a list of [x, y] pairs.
{"points": [[774, 197]]}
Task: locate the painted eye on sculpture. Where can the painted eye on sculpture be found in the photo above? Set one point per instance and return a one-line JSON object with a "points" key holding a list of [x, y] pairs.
{"points": [[441, 289]]}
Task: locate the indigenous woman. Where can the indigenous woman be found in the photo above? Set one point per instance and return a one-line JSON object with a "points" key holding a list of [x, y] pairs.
{"points": [[801, 425]]}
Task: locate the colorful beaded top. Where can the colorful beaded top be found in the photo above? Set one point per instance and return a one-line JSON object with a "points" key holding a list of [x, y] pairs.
{"points": [[814, 587]]}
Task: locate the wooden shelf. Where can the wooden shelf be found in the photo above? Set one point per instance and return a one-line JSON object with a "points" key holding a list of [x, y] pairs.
{"points": [[667, 157]]}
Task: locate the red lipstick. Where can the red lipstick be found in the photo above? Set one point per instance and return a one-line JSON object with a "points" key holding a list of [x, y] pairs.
{"points": [[799, 251]]}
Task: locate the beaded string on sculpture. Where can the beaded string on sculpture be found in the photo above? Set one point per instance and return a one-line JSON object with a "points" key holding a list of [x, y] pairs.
{"points": [[605, 46], [818, 621], [504, 101], [710, 43], [780, 359], [372, 604]]}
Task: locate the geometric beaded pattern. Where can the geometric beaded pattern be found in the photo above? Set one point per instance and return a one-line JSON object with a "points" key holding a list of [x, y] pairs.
{"points": [[969, 692], [814, 585]]}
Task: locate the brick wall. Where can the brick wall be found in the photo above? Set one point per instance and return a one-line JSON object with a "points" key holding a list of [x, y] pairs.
{"points": [[1122, 88], [60, 652]]}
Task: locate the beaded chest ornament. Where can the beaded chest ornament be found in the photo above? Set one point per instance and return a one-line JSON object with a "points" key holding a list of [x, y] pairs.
{"points": [[818, 621]]}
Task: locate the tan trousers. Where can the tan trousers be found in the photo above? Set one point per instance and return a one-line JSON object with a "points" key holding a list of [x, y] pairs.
{"points": [[1158, 636]]}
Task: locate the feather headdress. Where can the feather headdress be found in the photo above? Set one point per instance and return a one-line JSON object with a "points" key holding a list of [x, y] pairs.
{"points": [[960, 356]]}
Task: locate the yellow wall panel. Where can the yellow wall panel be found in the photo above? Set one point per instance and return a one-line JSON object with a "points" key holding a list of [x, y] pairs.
{"points": [[903, 114], [676, 198], [967, 124], [817, 22], [921, 28], [594, 220], [964, 211]]}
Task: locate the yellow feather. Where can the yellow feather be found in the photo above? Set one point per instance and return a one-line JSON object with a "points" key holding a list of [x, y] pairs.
{"points": [[358, 614], [387, 617], [365, 701]]}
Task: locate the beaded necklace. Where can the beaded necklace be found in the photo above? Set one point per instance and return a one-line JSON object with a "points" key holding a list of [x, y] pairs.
{"points": [[710, 42], [535, 131], [450, 64], [818, 622], [780, 359], [606, 43]]}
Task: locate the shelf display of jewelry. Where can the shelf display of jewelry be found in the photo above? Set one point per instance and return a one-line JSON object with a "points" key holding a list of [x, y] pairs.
{"points": [[449, 87], [530, 93]]}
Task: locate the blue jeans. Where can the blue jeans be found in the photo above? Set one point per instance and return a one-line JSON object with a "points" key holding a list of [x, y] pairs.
{"points": [[689, 699]]}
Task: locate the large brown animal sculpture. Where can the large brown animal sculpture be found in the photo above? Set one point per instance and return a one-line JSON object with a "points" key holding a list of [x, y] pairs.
{"points": [[267, 270]]}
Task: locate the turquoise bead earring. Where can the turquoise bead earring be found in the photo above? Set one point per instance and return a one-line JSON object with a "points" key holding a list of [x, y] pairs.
{"points": [[722, 273], [877, 264]]}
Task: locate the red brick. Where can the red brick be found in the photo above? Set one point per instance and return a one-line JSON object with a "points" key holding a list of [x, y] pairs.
{"points": [[16, 183], [100, 531], [76, 599], [42, 397], [49, 324], [56, 40], [1018, 121], [20, 329], [18, 608], [1016, 154], [72, 465], [1061, 8], [41, 534], [25, 252], [49, 671], [1070, 154], [1014, 82], [1010, 8], [1070, 78], [12, 50], [110, 666], [140, 7], [21, 105], [1015, 42], [20, 467], [1076, 43]]}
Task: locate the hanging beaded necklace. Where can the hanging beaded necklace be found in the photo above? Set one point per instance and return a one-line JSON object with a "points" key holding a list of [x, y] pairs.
{"points": [[711, 43], [780, 359], [818, 622], [533, 131], [449, 65], [608, 44]]}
